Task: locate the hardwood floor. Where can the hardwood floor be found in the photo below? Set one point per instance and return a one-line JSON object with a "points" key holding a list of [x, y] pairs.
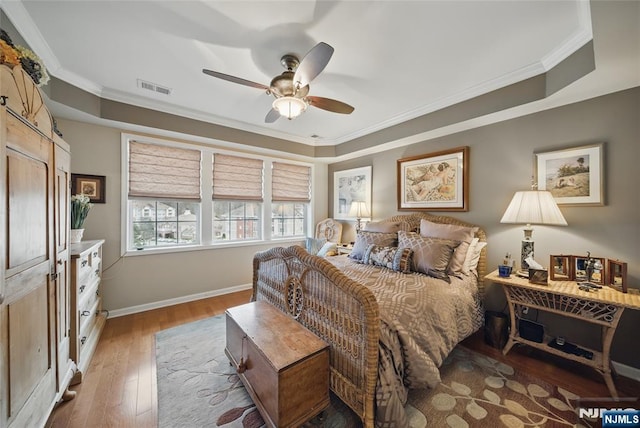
{"points": [[119, 388]]}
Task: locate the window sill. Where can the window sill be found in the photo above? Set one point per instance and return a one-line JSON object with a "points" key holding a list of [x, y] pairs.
{"points": [[280, 242]]}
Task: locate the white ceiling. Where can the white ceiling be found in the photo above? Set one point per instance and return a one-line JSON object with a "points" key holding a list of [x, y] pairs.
{"points": [[393, 60]]}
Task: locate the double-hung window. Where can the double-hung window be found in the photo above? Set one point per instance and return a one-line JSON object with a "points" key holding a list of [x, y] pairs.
{"points": [[164, 196], [290, 196], [237, 198]]}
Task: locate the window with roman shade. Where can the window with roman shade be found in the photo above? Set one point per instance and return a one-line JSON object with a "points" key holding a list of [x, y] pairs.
{"points": [[163, 172], [290, 196], [237, 197]]}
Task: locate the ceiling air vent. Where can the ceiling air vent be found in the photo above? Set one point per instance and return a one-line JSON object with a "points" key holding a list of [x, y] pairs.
{"points": [[153, 87]]}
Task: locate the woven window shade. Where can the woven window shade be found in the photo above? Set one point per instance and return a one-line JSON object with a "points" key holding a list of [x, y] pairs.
{"points": [[237, 178], [290, 183], [157, 171]]}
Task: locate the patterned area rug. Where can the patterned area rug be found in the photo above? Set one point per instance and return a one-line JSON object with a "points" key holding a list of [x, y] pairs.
{"points": [[197, 387]]}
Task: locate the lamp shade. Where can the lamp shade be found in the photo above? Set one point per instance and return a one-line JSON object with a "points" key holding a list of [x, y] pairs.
{"points": [[533, 207], [289, 107], [359, 209]]}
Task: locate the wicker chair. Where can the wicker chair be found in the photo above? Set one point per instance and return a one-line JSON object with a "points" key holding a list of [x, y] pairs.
{"points": [[329, 229]]}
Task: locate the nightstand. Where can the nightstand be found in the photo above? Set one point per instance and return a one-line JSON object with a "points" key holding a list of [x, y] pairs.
{"points": [[603, 307]]}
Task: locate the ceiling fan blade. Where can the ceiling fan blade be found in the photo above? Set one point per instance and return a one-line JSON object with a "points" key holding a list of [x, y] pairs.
{"points": [[328, 104], [234, 79], [272, 116], [312, 64]]}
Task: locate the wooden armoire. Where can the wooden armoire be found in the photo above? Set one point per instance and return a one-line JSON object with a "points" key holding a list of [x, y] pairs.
{"points": [[35, 363]]}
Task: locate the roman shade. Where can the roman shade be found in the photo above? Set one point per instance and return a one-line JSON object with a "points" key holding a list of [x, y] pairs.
{"points": [[237, 178], [291, 183], [163, 172]]}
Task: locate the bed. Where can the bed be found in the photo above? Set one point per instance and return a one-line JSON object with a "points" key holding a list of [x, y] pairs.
{"points": [[388, 326]]}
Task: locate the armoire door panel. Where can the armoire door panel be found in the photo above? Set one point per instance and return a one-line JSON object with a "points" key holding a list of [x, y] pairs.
{"points": [[27, 213], [29, 326]]}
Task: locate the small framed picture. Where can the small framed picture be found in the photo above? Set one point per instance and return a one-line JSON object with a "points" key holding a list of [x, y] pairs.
{"points": [[574, 176], [583, 265], [560, 268], [617, 274], [435, 181], [93, 186]]}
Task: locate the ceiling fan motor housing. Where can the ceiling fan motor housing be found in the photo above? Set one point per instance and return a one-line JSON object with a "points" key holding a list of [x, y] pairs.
{"points": [[282, 86]]}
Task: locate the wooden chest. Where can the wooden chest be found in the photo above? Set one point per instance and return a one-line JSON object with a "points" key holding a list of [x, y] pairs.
{"points": [[284, 366]]}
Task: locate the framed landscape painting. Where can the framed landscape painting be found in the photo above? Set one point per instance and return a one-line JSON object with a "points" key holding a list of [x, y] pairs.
{"points": [[350, 186], [574, 176], [435, 182]]}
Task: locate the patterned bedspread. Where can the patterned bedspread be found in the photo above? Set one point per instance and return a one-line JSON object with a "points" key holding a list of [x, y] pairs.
{"points": [[422, 320]]}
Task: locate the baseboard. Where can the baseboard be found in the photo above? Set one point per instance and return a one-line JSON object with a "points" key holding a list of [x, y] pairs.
{"points": [[627, 371], [182, 299]]}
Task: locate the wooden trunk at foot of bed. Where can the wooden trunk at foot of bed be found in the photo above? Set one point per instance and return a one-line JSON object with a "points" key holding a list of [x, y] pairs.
{"points": [[339, 310]]}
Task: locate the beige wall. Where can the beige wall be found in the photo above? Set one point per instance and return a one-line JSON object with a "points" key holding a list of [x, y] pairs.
{"points": [[139, 281], [501, 162]]}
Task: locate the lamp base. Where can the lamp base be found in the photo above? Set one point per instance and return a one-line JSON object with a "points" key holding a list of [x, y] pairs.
{"points": [[522, 274]]}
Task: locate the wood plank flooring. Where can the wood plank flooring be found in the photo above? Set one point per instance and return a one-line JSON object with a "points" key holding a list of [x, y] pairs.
{"points": [[119, 388]]}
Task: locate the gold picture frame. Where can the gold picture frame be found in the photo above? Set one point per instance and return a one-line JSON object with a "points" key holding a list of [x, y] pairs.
{"points": [[436, 181]]}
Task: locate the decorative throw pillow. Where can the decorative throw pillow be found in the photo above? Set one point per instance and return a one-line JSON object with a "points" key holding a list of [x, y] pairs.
{"points": [[471, 263], [383, 226], [313, 245], [454, 232], [398, 259], [430, 255], [364, 239], [328, 249]]}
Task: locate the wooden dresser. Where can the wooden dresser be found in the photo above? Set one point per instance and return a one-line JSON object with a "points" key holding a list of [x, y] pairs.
{"points": [[87, 317]]}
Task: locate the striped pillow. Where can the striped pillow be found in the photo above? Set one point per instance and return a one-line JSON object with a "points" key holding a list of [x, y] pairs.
{"points": [[394, 258]]}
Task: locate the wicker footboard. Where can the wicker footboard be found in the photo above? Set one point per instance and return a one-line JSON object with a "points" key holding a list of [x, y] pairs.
{"points": [[341, 311]]}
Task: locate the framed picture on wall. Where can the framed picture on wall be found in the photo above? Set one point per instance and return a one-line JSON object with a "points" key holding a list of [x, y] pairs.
{"points": [[352, 185], [93, 186], [435, 182], [574, 176]]}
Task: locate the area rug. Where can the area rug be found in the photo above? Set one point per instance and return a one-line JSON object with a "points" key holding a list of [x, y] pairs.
{"points": [[197, 387]]}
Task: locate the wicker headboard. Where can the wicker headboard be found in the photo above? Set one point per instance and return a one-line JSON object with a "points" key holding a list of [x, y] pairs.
{"points": [[413, 224]]}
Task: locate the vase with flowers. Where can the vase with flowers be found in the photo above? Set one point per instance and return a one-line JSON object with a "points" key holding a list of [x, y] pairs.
{"points": [[80, 206]]}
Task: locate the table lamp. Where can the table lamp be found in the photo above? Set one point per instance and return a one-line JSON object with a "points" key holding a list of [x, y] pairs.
{"points": [[532, 207], [358, 210]]}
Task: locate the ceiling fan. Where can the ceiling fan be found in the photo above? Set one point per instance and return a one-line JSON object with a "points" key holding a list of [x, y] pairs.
{"points": [[291, 88]]}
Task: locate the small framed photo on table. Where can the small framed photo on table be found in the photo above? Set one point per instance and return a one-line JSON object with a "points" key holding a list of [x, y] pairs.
{"points": [[93, 186]]}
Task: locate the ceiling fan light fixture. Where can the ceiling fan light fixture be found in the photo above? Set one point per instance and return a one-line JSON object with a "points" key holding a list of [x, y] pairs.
{"points": [[289, 107]]}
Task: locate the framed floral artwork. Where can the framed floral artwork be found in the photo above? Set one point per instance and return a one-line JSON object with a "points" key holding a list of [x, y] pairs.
{"points": [[574, 176], [352, 185], [93, 186], [435, 182]]}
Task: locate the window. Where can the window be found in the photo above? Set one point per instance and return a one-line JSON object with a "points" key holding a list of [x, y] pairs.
{"points": [[167, 182], [290, 195], [237, 197]]}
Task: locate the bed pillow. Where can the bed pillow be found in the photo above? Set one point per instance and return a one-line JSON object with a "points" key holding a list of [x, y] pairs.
{"points": [[383, 226], [473, 257], [430, 255], [313, 245], [394, 258], [454, 232], [364, 239], [328, 249]]}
